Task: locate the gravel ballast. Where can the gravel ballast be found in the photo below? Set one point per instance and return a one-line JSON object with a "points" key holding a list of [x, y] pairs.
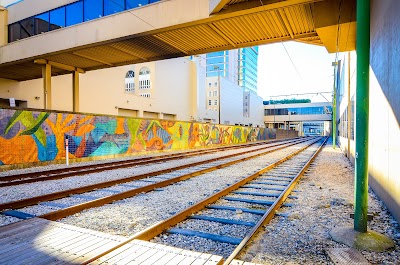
{"points": [[325, 200]]}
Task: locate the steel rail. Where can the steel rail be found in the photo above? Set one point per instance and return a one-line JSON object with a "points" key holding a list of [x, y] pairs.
{"points": [[53, 174], [161, 226], [129, 193], [65, 193], [267, 217]]}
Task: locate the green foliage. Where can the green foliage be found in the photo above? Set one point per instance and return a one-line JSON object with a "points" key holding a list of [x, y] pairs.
{"points": [[286, 101]]}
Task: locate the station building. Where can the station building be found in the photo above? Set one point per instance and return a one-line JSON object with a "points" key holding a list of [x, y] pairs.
{"points": [[308, 119]]}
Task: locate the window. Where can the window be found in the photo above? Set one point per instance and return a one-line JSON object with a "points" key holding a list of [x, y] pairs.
{"points": [[209, 102], [215, 109], [113, 6], [27, 27], [209, 84], [215, 84], [74, 13], [42, 23], [209, 93], [70, 14], [135, 3], [130, 82], [215, 102], [92, 9], [215, 93], [145, 95], [14, 32], [144, 78], [57, 18]]}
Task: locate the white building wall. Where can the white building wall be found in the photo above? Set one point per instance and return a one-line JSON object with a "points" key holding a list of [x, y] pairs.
{"points": [[256, 110], [178, 91]]}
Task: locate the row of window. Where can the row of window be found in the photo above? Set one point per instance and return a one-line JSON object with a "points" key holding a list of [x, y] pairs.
{"points": [[299, 111], [144, 80], [213, 93], [68, 15], [215, 102]]}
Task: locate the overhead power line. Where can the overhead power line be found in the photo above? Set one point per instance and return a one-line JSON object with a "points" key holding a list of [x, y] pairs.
{"points": [[292, 62]]}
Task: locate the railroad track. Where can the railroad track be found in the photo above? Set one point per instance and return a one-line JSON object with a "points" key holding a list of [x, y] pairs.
{"points": [[44, 175], [130, 189], [272, 184]]}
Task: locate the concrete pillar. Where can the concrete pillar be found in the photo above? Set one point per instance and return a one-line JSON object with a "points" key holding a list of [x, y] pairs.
{"points": [[140, 113], [46, 73], [3, 26], [161, 115], [75, 91]]}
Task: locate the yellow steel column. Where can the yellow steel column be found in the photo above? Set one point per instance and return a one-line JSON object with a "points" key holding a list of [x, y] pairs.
{"points": [[75, 91], [46, 73], [3, 26]]}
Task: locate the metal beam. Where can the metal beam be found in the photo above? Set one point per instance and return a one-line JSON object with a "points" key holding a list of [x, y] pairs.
{"points": [[221, 34], [92, 58], [282, 15], [171, 44], [59, 65], [362, 116], [128, 52]]}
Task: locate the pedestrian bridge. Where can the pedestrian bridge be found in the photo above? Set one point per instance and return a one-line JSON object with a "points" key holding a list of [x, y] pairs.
{"points": [[176, 28]]}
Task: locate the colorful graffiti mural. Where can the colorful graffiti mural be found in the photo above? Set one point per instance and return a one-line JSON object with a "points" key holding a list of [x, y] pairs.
{"points": [[28, 136]]}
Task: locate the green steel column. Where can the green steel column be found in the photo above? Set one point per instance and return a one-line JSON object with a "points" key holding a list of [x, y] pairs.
{"points": [[362, 113], [334, 106]]}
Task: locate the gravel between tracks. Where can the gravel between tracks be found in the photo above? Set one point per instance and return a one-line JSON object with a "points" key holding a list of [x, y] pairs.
{"points": [[23, 191], [325, 201], [144, 210]]}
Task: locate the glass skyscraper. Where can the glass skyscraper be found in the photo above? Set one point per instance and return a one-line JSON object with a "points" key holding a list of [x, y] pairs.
{"points": [[239, 66]]}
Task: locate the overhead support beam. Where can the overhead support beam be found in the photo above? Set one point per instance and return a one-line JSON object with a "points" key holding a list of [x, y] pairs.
{"points": [[92, 58], [129, 52], [285, 21], [75, 91], [46, 73], [172, 45], [59, 65], [221, 34]]}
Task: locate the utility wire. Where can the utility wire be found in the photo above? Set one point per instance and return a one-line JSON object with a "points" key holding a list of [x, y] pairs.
{"points": [[292, 62]]}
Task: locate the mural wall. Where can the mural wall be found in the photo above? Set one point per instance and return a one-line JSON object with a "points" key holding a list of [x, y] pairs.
{"points": [[28, 136]]}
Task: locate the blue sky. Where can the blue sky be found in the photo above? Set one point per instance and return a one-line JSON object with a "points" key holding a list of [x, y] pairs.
{"points": [[278, 76]]}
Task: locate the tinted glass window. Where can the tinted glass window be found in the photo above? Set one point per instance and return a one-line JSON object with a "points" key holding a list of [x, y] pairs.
{"points": [[57, 18], [135, 3], [27, 27], [42, 23], [14, 32], [74, 13], [113, 6], [92, 9]]}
